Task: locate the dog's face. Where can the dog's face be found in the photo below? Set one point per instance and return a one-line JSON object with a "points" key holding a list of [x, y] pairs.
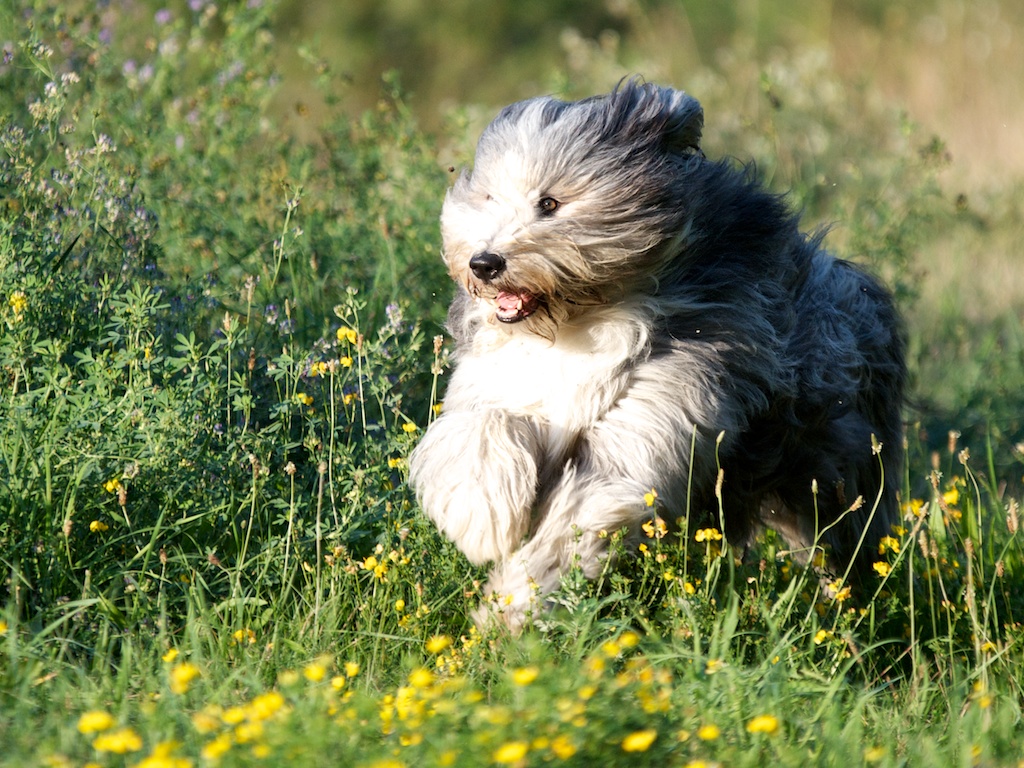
{"points": [[569, 204]]}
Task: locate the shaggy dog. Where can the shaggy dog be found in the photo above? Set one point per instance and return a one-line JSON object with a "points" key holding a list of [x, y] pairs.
{"points": [[633, 316]]}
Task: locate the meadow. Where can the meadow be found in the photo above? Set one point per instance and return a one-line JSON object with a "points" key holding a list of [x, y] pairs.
{"points": [[221, 335]]}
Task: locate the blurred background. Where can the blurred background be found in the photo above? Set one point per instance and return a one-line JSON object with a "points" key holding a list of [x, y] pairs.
{"points": [[955, 66]]}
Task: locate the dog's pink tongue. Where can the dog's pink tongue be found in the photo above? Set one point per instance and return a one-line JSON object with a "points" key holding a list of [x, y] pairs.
{"points": [[513, 307]]}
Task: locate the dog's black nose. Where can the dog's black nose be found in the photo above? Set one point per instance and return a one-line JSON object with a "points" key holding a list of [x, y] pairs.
{"points": [[487, 266]]}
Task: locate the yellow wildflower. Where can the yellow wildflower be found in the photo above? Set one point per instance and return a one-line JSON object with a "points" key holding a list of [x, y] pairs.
{"points": [[233, 715], [318, 368], [351, 669], [821, 636], [595, 665], [314, 671], [18, 302], [839, 592], [611, 649], [345, 361], [216, 748], [713, 666], [206, 721], [3, 627], [639, 741], [119, 742], [248, 731], [510, 752], [98, 526], [112, 485], [410, 739], [347, 334], [629, 639], [303, 399], [409, 427], [888, 542], [951, 497], [874, 754], [650, 497], [421, 678], [883, 569], [94, 721], [708, 732], [244, 636], [914, 508], [171, 655], [163, 757], [655, 529], [562, 747], [708, 534], [378, 567], [763, 724], [525, 675], [587, 692], [438, 643], [182, 676]]}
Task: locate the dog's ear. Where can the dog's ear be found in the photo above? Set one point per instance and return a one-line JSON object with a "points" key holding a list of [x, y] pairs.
{"points": [[684, 120], [645, 112]]}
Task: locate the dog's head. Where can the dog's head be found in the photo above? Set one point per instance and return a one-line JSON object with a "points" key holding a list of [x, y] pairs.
{"points": [[572, 204]]}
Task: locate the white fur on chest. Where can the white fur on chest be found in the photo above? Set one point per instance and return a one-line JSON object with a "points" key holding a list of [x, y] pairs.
{"points": [[568, 382]]}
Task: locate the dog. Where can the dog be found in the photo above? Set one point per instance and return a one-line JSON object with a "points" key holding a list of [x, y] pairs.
{"points": [[631, 317]]}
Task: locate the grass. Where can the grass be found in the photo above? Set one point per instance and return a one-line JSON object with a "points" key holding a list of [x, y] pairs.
{"points": [[219, 345]]}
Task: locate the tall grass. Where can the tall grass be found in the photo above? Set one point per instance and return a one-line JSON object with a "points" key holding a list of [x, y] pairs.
{"points": [[219, 345]]}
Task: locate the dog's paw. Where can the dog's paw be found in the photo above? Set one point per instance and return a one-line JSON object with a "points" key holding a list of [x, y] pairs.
{"points": [[505, 612], [512, 596], [493, 617]]}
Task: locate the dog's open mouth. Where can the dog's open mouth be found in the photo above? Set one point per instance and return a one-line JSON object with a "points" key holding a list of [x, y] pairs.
{"points": [[514, 306]]}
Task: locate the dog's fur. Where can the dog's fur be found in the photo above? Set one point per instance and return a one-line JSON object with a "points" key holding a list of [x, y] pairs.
{"points": [[633, 316]]}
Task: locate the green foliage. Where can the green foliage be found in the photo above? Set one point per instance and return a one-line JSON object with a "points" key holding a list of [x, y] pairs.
{"points": [[152, 421], [216, 356]]}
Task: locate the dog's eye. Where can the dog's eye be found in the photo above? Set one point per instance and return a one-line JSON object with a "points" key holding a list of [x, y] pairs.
{"points": [[548, 205]]}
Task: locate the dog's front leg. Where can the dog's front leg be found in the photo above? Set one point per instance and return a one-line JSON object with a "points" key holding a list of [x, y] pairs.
{"points": [[646, 441], [576, 522], [475, 473]]}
